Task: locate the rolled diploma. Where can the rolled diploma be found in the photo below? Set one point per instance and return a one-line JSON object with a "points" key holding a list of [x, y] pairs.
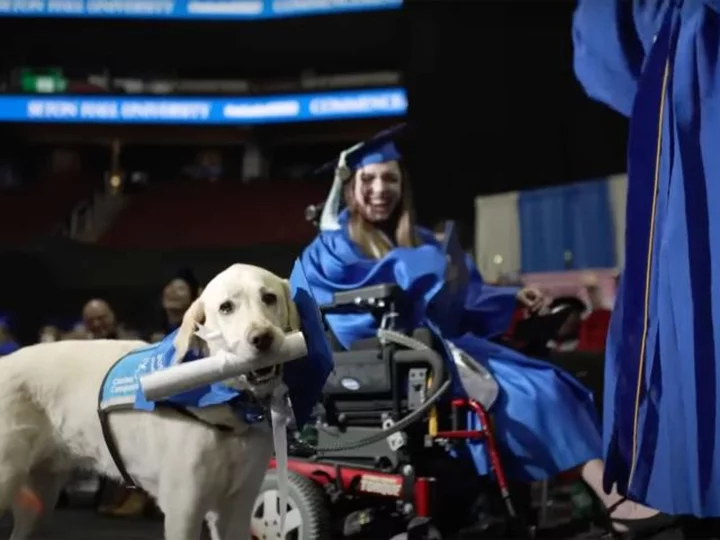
{"points": [[188, 376]]}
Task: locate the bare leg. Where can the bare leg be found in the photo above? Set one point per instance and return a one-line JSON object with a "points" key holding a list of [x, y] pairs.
{"points": [[592, 474]]}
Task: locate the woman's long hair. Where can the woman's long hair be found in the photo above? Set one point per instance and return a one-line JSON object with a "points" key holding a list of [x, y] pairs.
{"points": [[367, 236]]}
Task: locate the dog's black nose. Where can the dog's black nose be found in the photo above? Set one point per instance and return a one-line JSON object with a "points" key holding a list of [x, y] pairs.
{"points": [[262, 340]]}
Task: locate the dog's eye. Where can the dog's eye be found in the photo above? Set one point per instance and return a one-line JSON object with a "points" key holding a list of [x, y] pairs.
{"points": [[227, 307], [269, 298]]}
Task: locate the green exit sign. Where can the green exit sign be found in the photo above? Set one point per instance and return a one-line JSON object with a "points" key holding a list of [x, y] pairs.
{"points": [[42, 82]]}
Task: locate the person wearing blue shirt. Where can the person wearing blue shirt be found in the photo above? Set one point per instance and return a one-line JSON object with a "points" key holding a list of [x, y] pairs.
{"points": [[8, 344], [656, 61], [544, 419]]}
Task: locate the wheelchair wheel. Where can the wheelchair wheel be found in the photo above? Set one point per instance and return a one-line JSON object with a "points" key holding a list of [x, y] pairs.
{"points": [[308, 517]]}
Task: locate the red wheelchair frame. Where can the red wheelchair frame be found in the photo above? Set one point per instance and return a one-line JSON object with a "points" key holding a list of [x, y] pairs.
{"points": [[406, 488]]}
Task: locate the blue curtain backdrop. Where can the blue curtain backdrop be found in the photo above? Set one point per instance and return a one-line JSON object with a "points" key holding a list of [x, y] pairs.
{"points": [[542, 229], [574, 220]]}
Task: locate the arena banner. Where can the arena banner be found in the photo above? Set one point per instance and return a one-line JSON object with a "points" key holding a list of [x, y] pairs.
{"points": [[343, 105], [187, 9]]}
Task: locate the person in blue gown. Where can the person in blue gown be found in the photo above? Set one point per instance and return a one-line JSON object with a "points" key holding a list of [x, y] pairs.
{"points": [[657, 63], [545, 420], [8, 345]]}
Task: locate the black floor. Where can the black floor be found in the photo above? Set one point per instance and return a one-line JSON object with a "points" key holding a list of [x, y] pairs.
{"points": [[88, 525]]}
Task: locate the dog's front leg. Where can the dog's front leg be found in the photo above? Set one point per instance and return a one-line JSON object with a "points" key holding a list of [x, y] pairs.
{"points": [[181, 501], [232, 519], [183, 521]]}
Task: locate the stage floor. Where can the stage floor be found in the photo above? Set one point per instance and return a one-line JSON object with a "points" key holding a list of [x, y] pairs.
{"points": [[88, 525]]}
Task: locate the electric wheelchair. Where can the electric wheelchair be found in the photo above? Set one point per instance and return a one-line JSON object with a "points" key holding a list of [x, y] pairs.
{"points": [[386, 455]]}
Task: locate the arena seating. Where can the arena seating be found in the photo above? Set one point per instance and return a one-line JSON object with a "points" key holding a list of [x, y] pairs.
{"points": [[221, 214], [39, 207]]}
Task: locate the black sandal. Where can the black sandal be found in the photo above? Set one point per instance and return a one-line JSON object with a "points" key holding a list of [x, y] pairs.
{"points": [[644, 527]]}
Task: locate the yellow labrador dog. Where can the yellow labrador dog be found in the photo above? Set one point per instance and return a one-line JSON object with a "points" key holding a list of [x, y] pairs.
{"points": [[49, 421]]}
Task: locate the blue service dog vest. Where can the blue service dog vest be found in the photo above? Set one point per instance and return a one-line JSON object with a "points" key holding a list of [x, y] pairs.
{"points": [[121, 387], [304, 377]]}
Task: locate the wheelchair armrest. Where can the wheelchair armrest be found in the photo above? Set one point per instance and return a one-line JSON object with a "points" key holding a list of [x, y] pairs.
{"points": [[375, 297]]}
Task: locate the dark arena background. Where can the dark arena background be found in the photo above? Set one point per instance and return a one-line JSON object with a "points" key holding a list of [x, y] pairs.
{"points": [[142, 140]]}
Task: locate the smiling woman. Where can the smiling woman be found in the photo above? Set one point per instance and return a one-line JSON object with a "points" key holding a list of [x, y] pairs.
{"points": [[377, 195]]}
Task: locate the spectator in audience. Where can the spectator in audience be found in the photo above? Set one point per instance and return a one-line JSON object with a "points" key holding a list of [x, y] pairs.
{"points": [[7, 341], [100, 323], [177, 296], [78, 331], [99, 319], [49, 333]]}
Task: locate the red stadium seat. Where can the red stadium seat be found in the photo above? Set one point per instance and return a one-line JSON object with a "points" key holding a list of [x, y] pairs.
{"points": [[36, 209], [223, 214]]}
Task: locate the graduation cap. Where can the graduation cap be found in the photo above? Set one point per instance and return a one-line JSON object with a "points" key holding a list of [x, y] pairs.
{"points": [[379, 149]]}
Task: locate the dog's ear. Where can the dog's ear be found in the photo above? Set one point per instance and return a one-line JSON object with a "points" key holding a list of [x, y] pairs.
{"points": [[293, 317], [186, 338]]}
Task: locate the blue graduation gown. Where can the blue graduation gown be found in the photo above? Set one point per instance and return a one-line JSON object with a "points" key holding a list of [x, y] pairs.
{"points": [[657, 62], [545, 420]]}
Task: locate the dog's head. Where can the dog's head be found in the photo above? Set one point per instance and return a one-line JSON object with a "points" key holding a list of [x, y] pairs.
{"points": [[252, 309]]}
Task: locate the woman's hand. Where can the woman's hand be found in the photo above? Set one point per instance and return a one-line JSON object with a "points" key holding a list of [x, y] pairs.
{"points": [[533, 299]]}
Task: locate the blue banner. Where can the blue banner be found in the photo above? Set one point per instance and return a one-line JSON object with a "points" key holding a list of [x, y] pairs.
{"points": [[343, 105], [187, 9]]}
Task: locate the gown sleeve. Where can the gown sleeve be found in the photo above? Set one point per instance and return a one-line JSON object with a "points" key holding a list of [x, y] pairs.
{"points": [[611, 39], [489, 310]]}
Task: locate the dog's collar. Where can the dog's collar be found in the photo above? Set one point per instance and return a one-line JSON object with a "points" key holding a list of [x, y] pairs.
{"points": [[250, 410]]}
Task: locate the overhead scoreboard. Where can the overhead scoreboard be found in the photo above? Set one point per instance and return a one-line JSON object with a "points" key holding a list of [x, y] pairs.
{"points": [[188, 9], [340, 105]]}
